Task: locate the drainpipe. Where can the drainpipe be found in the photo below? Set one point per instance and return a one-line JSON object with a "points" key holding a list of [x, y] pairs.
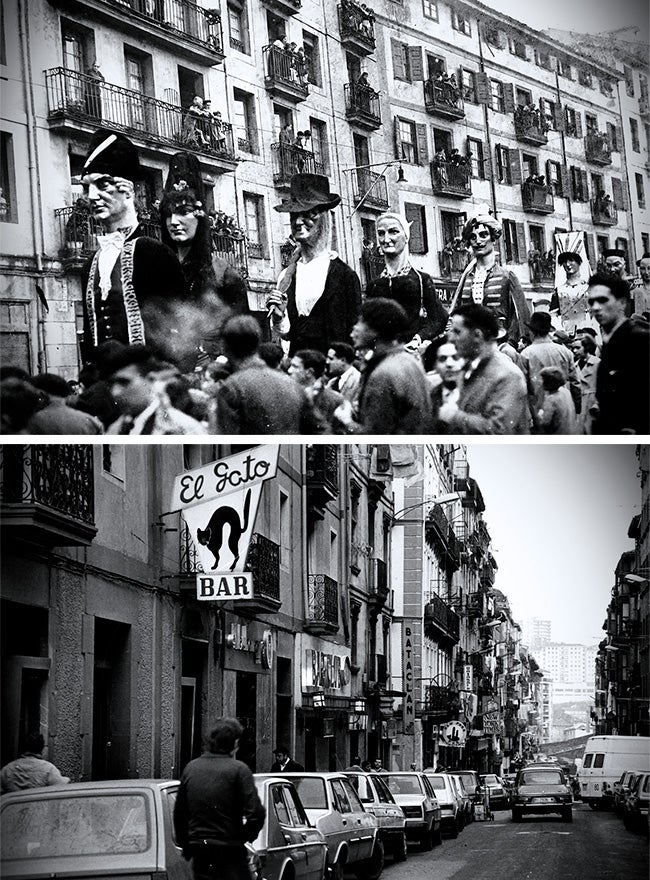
{"points": [[32, 168], [488, 139]]}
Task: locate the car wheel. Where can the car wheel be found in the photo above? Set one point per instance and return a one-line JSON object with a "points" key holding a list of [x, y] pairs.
{"points": [[426, 840], [400, 852], [567, 814], [436, 836], [516, 815], [335, 871], [371, 868]]}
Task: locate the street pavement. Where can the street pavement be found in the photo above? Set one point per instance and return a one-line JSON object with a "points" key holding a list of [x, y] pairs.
{"points": [[595, 846]]}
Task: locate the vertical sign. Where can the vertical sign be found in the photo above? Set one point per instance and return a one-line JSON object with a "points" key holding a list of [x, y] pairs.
{"points": [[408, 678], [468, 677]]}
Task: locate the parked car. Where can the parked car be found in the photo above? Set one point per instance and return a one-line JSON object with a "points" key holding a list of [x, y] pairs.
{"points": [[451, 810], [508, 780], [636, 815], [466, 804], [621, 790], [288, 846], [472, 785], [414, 794], [92, 829], [542, 790], [499, 799], [378, 800], [351, 832]]}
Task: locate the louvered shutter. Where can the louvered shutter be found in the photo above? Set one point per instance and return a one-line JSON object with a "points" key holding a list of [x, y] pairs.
{"points": [[521, 242], [575, 183], [398, 140], [483, 88], [515, 167], [584, 185], [590, 249], [422, 145], [579, 129], [397, 49], [559, 118], [415, 216], [566, 185], [618, 194], [416, 63], [487, 163], [549, 168], [509, 97]]}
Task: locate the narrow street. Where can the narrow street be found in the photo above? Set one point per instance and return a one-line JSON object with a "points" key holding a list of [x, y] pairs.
{"points": [[596, 846]]}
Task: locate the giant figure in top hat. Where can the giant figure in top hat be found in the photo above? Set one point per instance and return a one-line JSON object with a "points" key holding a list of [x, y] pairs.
{"points": [[318, 297], [133, 284]]}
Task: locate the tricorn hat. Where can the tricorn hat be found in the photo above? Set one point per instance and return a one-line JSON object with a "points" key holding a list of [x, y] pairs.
{"points": [[112, 153], [540, 322], [568, 255], [309, 191], [184, 183]]}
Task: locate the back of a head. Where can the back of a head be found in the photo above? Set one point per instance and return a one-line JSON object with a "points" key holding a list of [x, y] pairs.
{"points": [[312, 360], [271, 353], [344, 351], [223, 736], [552, 378], [241, 335], [51, 384], [19, 400], [128, 355], [8, 371], [386, 317], [589, 344], [33, 742], [477, 317], [617, 285]]}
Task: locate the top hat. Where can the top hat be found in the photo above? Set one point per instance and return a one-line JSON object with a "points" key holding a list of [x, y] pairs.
{"points": [[112, 153], [309, 191], [568, 255], [540, 322], [184, 184]]}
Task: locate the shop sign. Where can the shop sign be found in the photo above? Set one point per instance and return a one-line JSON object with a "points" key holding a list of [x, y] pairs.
{"points": [[325, 670], [468, 677], [408, 711], [491, 722], [453, 734]]}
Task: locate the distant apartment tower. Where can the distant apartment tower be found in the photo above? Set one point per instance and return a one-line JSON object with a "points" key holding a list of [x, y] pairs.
{"points": [[537, 633], [572, 669]]}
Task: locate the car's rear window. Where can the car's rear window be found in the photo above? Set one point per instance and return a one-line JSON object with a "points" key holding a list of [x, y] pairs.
{"points": [[88, 825], [403, 784], [587, 761], [599, 760], [541, 777], [437, 783], [312, 792]]}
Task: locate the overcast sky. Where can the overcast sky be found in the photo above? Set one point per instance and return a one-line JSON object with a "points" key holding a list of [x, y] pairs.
{"points": [[585, 16], [558, 517]]}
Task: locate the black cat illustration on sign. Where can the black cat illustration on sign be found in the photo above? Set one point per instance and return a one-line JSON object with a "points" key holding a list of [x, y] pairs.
{"points": [[212, 536]]}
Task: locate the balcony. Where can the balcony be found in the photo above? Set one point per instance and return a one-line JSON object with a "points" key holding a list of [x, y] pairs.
{"points": [[440, 700], [443, 99], [537, 198], [476, 606], [362, 106], [440, 620], [286, 7], [322, 604], [357, 29], [597, 150], [372, 263], [542, 270], [77, 102], [487, 575], [288, 160], [263, 561], [453, 263], [78, 229], [322, 478], [451, 179], [603, 213], [441, 538], [378, 584], [370, 189], [47, 494], [281, 76], [180, 26], [530, 126]]}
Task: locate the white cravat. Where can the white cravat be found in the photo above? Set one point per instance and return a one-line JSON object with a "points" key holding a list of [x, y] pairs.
{"points": [[110, 247], [310, 282]]}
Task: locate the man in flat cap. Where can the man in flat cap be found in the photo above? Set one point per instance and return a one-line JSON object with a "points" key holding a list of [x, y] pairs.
{"points": [[318, 297], [569, 301], [131, 280], [484, 282]]}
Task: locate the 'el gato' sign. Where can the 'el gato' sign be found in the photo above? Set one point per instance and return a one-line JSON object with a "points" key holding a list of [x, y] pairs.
{"points": [[219, 504]]}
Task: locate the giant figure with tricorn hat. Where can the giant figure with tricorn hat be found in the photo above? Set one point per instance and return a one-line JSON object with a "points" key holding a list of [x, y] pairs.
{"points": [[318, 297], [132, 281]]}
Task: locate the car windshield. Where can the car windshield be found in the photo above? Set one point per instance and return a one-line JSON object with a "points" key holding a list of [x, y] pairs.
{"points": [[75, 826], [541, 777], [403, 784], [312, 792]]}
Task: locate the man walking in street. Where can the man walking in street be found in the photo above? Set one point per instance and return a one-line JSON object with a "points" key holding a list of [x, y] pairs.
{"points": [[307, 368], [30, 770], [217, 808], [344, 376], [283, 763]]}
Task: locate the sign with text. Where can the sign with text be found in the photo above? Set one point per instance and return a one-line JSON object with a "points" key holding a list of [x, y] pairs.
{"points": [[468, 677], [408, 686], [325, 670], [223, 587], [453, 734]]}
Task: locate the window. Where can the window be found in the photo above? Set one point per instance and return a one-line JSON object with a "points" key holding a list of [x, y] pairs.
{"points": [[548, 110], [285, 530], [415, 214], [113, 462], [618, 197], [599, 760], [411, 143], [634, 131], [452, 225], [579, 185], [475, 148], [436, 64], [645, 243], [537, 237], [564, 68], [554, 177], [468, 84], [8, 206], [612, 137], [503, 164], [640, 192], [573, 122], [238, 27], [319, 144], [312, 52], [510, 242], [543, 59], [585, 78], [190, 83], [407, 61], [498, 96], [591, 122], [530, 165], [517, 47], [629, 81], [643, 88], [606, 87], [523, 97], [406, 134], [461, 23], [73, 52], [430, 9], [255, 226], [244, 121]]}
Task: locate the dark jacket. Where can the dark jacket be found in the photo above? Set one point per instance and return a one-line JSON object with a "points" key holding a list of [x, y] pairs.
{"points": [[493, 399], [622, 384], [394, 395], [414, 292], [290, 767], [333, 316], [502, 293], [216, 794]]}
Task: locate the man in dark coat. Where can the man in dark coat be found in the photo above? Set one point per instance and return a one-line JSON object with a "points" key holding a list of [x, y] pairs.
{"points": [[132, 280], [318, 296], [622, 381], [283, 763]]}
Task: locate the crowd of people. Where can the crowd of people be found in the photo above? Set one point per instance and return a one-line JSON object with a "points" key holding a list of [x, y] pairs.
{"points": [[292, 63], [446, 88], [203, 127], [170, 346], [529, 116]]}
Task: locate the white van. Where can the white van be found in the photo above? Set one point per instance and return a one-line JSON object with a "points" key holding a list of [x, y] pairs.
{"points": [[604, 759]]}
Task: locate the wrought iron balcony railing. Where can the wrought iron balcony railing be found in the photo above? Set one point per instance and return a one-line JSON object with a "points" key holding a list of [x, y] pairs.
{"points": [[378, 585], [78, 229], [371, 188], [357, 28], [362, 105], [541, 271], [451, 178], [289, 160], [537, 198], [603, 212], [439, 614], [281, 74], [323, 468], [530, 126], [440, 535], [322, 603], [47, 493], [597, 148], [453, 263], [73, 96], [288, 7], [443, 99]]}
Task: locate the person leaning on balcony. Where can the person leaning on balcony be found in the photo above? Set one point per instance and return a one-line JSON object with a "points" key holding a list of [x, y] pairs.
{"points": [[216, 290], [131, 282], [402, 282], [485, 282]]}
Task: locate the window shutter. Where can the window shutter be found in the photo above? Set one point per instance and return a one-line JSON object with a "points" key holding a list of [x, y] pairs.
{"points": [[575, 183], [398, 140], [566, 186], [612, 137], [590, 249], [415, 216], [549, 168], [584, 185], [399, 69], [559, 118], [423, 147], [483, 88], [618, 194], [487, 163], [461, 84], [509, 97], [515, 167], [579, 131], [521, 242], [416, 63]]}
